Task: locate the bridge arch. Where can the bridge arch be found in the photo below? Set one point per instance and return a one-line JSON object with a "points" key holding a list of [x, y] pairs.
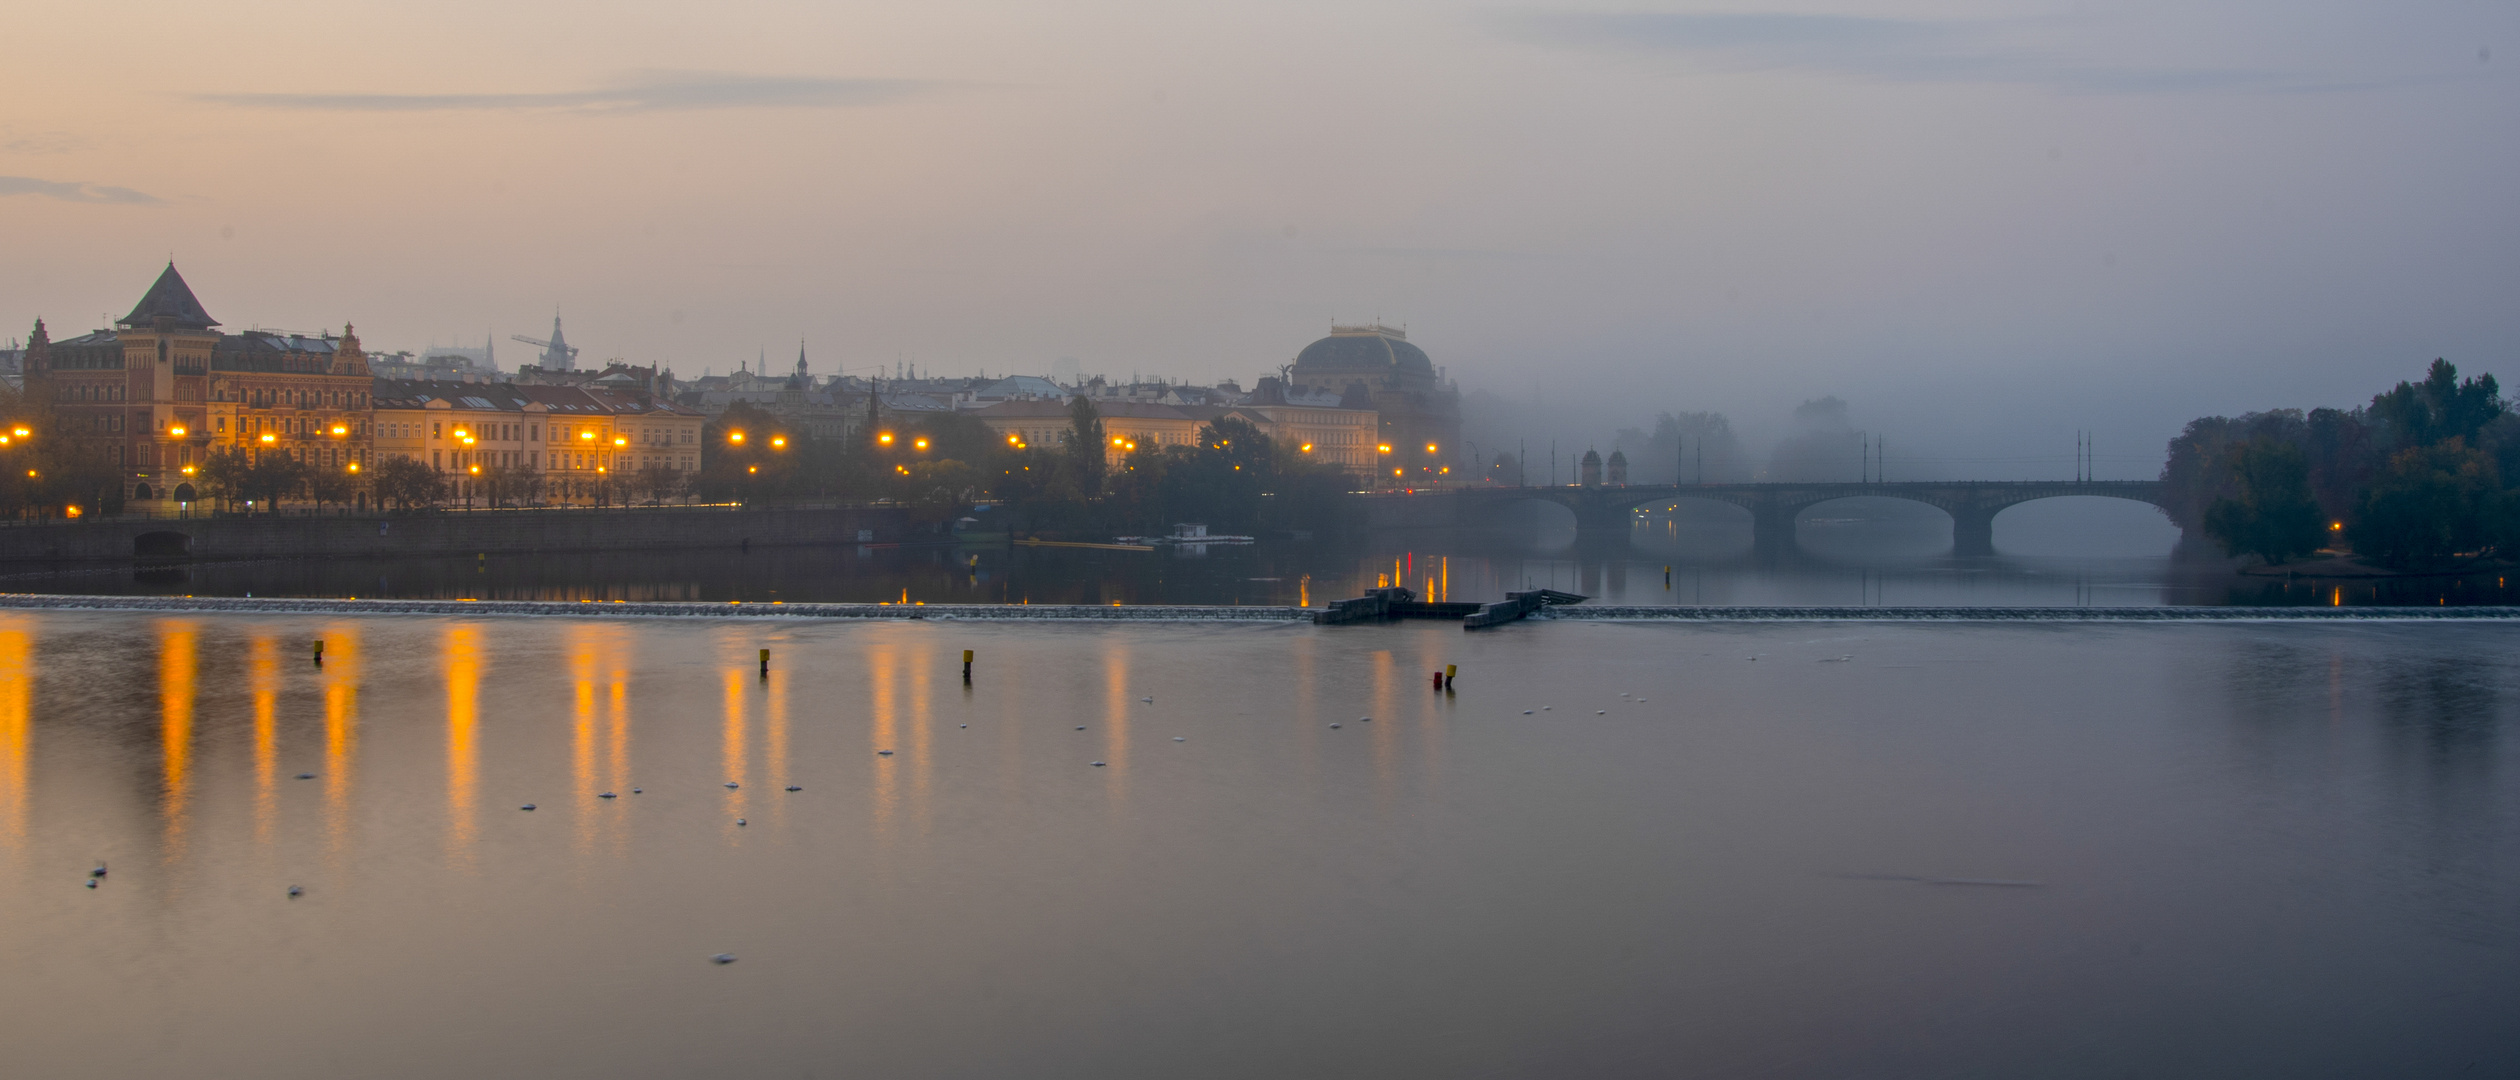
{"points": [[2087, 525]]}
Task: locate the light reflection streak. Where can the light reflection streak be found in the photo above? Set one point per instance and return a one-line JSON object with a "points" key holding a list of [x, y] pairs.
{"points": [[1386, 707], [582, 674], [774, 738], [17, 734], [262, 678], [922, 764], [177, 672], [731, 749], [880, 661], [462, 656], [341, 730], [1116, 720]]}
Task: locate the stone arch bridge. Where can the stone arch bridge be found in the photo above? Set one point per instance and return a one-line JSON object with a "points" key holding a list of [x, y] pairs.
{"points": [[1608, 513]]}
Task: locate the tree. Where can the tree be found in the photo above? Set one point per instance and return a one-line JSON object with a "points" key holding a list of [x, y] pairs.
{"points": [[2431, 503], [658, 483], [1085, 446], [330, 485], [2272, 515], [408, 484], [223, 475], [2441, 408], [271, 477]]}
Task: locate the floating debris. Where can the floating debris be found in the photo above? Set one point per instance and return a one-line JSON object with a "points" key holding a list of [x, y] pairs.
{"points": [[1334, 725], [723, 958], [741, 821], [1080, 727], [295, 891], [1546, 708], [883, 753], [1147, 700], [732, 784], [793, 787], [1098, 764], [1526, 712], [1601, 712], [98, 872], [527, 806], [1364, 719], [637, 790], [966, 725], [605, 795], [91, 883]]}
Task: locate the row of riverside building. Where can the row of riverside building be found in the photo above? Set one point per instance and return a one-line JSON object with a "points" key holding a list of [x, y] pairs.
{"points": [[164, 389]]}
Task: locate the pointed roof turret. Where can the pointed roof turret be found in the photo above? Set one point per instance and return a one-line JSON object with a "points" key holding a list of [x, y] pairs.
{"points": [[172, 300]]}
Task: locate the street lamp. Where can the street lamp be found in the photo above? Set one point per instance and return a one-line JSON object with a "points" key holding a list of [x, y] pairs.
{"points": [[884, 439], [735, 437], [778, 442], [920, 443]]}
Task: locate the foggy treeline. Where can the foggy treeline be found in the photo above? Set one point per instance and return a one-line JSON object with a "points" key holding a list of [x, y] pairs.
{"points": [[1818, 443]]}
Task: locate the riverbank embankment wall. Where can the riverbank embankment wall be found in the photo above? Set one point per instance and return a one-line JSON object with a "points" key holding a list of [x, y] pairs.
{"points": [[452, 533]]}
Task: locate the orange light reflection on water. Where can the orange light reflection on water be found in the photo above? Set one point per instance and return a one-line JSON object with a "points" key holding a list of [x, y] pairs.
{"points": [[341, 731], [17, 678], [262, 681], [177, 675], [462, 656]]}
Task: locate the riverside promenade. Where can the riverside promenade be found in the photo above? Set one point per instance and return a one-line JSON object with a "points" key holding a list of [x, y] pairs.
{"points": [[452, 532]]}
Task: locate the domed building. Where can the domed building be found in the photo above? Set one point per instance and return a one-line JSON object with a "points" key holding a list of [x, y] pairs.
{"points": [[1375, 367]]}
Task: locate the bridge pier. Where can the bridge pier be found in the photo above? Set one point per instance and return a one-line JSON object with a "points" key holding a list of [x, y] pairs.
{"points": [[1972, 531]]}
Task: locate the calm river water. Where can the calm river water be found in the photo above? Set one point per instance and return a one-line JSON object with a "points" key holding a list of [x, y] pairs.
{"points": [[1615, 850]]}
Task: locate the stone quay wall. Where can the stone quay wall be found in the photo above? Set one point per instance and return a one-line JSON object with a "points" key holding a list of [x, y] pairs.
{"points": [[453, 533]]}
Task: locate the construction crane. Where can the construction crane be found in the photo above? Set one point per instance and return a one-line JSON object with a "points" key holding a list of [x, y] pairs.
{"points": [[558, 354]]}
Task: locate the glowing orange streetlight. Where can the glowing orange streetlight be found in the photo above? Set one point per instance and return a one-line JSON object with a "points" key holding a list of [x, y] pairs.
{"points": [[735, 437], [71, 510], [177, 431], [752, 468], [20, 432], [268, 437], [354, 466], [1430, 448], [1308, 448], [590, 436], [920, 443], [1385, 448], [621, 440], [340, 430], [778, 441], [884, 439]]}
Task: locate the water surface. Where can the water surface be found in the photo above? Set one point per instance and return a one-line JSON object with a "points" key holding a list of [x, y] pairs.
{"points": [[1773, 850]]}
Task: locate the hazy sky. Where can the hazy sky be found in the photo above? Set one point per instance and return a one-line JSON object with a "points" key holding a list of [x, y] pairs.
{"points": [[1983, 224]]}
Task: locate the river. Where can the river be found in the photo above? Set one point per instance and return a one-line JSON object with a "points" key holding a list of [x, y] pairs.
{"points": [[1639, 849]]}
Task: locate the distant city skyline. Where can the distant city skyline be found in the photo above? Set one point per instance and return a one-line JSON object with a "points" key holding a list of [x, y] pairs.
{"points": [[1979, 224]]}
